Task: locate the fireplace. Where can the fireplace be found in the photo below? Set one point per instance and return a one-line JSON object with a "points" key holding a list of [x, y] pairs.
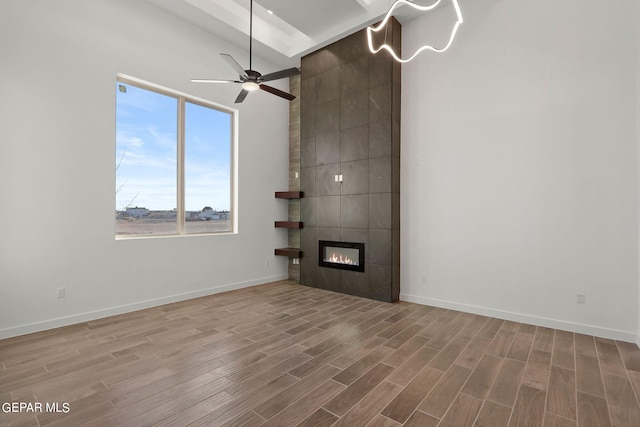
{"points": [[353, 131], [341, 255]]}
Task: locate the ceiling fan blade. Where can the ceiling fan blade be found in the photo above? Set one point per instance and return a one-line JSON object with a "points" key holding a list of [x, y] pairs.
{"points": [[278, 92], [280, 74], [241, 96], [241, 72], [214, 81]]}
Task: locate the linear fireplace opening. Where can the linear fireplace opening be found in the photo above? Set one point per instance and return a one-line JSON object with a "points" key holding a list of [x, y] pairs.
{"points": [[341, 255]]}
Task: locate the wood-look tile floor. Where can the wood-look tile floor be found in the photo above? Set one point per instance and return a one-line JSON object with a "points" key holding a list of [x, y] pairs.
{"points": [[282, 354]]}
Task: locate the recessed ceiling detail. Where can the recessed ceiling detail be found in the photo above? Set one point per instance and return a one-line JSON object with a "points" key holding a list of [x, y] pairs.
{"points": [[296, 27], [315, 19]]}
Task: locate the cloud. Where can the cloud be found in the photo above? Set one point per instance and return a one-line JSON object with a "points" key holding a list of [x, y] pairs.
{"points": [[125, 139], [397, 4], [149, 163], [162, 139]]}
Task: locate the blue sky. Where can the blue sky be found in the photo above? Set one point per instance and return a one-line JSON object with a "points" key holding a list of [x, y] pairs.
{"points": [[146, 147]]}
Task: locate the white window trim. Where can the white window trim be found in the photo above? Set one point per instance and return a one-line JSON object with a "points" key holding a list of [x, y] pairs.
{"points": [[180, 214]]}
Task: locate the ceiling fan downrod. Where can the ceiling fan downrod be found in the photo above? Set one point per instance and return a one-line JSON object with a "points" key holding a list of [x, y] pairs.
{"points": [[250, 79]]}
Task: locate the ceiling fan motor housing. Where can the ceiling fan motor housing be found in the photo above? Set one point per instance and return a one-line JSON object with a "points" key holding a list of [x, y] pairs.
{"points": [[252, 80]]}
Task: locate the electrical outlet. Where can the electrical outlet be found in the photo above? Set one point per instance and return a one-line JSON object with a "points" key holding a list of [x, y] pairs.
{"points": [[580, 298], [61, 292], [296, 261]]}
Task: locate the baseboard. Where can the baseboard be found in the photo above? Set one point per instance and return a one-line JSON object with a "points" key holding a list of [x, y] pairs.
{"points": [[127, 308], [524, 318]]}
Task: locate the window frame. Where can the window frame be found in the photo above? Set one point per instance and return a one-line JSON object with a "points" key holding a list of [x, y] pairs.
{"points": [[182, 98]]}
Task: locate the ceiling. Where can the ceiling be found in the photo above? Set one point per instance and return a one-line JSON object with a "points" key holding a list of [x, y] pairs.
{"points": [[295, 28]]}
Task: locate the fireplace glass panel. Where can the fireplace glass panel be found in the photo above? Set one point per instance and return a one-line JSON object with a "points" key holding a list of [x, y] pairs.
{"points": [[348, 256], [341, 255]]}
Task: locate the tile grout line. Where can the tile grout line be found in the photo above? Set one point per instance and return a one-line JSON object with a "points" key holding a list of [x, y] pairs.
{"points": [[470, 374], [575, 376], [546, 397], [626, 370], [604, 386]]}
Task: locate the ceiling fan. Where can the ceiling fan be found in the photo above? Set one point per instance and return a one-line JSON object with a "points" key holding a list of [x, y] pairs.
{"points": [[252, 80]]}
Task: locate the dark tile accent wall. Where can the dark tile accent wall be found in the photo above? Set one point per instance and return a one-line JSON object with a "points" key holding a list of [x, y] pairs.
{"points": [[350, 125], [295, 206]]}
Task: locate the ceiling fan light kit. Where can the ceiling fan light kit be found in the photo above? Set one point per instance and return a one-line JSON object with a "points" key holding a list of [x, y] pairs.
{"points": [[252, 80], [250, 86]]}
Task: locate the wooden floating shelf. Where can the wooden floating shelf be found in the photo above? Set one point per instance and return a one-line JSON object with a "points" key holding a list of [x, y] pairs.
{"points": [[289, 224], [290, 252], [289, 194]]}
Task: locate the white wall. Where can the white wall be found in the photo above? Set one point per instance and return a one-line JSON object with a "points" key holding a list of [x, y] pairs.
{"points": [[520, 167], [57, 157], [638, 123]]}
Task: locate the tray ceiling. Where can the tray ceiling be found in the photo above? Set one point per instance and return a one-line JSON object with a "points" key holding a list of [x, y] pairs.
{"points": [[295, 28]]}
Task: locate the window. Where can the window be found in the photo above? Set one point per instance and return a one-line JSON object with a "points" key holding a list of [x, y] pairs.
{"points": [[174, 163]]}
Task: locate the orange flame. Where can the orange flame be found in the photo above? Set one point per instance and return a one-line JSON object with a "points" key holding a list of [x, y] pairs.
{"points": [[340, 259]]}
